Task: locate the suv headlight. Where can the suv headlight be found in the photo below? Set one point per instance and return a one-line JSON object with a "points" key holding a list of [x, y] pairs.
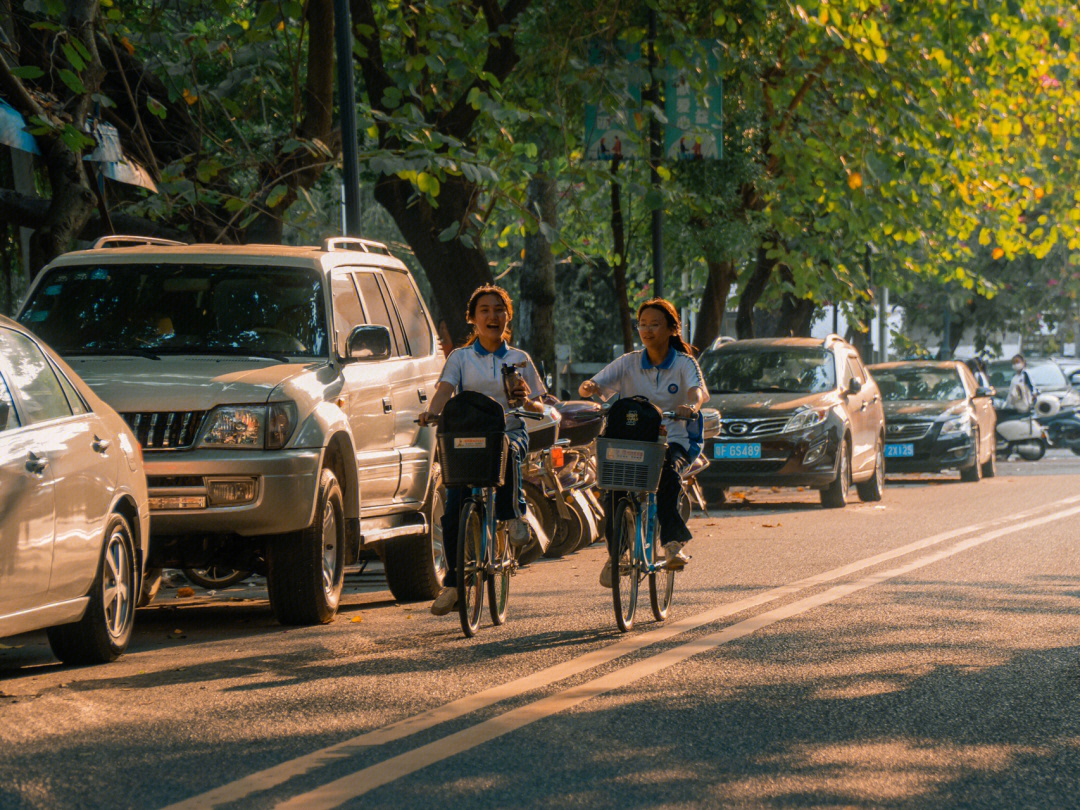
{"points": [[805, 418], [249, 427], [957, 424]]}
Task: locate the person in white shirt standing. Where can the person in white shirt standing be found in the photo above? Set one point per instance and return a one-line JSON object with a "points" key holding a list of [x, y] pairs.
{"points": [[478, 366], [666, 373]]}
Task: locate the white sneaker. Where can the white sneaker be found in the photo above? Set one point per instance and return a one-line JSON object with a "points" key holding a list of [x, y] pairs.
{"points": [[605, 574], [674, 559], [518, 532], [444, 602]]}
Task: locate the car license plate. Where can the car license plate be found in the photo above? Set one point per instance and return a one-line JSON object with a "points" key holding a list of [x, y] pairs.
{"points": [[899, 450], [739, 450]]}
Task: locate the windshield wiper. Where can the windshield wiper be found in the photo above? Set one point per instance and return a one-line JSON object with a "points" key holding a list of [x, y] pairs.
{"points": [[114, 352]]}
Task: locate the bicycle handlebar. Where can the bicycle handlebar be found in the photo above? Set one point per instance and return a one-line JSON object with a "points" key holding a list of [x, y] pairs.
{"points": [[606, 406]]}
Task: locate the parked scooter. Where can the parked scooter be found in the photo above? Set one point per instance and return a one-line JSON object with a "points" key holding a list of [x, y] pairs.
{"points": [[1021, 433], [1062, 424], [693, 495]]}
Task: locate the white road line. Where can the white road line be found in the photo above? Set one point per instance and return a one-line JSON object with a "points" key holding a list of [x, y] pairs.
{"points": [[279, 774], [347, 788]]}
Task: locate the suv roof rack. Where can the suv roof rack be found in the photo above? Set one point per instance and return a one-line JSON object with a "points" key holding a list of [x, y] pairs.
{"points": [[118, 240], [332, 243]]}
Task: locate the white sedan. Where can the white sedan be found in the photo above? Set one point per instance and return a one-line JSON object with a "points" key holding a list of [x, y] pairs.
{"points": [[74, 517]]}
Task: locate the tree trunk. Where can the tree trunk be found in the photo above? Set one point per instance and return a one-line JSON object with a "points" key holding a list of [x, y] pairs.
{"points": [[796, 314], [710, 317], [751, 294], [618, 235], [537, 301], [453, 268]]}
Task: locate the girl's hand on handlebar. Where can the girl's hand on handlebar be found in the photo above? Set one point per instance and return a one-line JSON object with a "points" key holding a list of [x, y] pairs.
{"points": [[686, 412], [533, 405], [427, 418]]}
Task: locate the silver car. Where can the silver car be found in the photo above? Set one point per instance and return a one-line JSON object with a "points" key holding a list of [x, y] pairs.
{"points": [[74, 514]]}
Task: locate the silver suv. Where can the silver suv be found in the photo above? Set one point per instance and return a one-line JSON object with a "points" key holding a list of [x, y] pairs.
{"points": [[274, 391]]}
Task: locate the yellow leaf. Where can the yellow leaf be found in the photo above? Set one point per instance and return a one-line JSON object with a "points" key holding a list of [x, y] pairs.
{"points": [[854, 181], [1039, 194], [997, 254], [127, 44], [245, 24], [281, 27], [373, 131], [664, 173], [189, 97], [356, 619], [823, 15]]}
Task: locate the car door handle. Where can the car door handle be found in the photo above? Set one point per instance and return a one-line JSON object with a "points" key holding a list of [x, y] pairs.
{"points": [[36, 464], [386, 406], [422, 394], [863, 408], [100, 445]]}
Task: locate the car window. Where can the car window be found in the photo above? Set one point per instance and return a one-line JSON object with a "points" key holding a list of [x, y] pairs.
{"points": [[32, 377], [376, 309], [411, 310], [348, 314], [849, 372], [858, 368], [179, 308], [73, 398], [920, 384], [9, 420], [787, 369]]}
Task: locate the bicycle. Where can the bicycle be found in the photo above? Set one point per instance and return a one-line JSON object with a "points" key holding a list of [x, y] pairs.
{"points": [[477, 459], [633, 468]]}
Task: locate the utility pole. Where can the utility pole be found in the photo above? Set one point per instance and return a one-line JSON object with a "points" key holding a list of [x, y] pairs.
{"points": [[350, 170], [655, 155]]}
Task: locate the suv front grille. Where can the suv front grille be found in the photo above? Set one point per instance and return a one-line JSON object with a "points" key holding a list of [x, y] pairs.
{"points": [[907, 431], [169, 430], [738, 428]]}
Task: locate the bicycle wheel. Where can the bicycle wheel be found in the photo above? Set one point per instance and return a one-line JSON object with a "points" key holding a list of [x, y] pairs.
{"points": [[470, 570], [624, 574], [662, 582], [498, 584]]}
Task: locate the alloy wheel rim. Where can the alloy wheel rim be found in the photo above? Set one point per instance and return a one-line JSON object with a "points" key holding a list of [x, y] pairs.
{"points": [[330, 549], [116, 585]]}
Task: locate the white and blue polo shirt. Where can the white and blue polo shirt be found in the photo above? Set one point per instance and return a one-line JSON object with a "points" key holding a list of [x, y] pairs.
{"points": [[474, 368], [666, 386]]}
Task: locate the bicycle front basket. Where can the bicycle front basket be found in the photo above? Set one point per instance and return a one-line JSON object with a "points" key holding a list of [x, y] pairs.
{"points": [[629, 466], [473, 446]]}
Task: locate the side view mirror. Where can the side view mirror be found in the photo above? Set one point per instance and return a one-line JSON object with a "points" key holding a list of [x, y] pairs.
{"points": [[983, 391], [1074, 379], [854, 386], [369, 342]]}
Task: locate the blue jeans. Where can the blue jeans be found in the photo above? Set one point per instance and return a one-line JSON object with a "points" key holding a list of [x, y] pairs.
{"points": [[672, 527], [509, 501]]}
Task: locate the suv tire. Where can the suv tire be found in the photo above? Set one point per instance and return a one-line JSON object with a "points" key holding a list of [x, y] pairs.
{"points": [[104, 631], [834, 496], [873, 488], [303, 580], [415, 566]]}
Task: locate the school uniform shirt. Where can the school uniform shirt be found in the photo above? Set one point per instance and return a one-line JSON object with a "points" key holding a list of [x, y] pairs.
{"points": [[474, 368], [666, 386]]}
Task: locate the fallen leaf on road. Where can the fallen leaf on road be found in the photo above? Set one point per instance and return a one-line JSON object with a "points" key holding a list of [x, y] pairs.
{"points": [[356, 619], [182, 592], [775, 489], [178, 633], [769, 525]]}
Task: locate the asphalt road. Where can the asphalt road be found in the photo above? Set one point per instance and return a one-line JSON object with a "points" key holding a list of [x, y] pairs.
{"points": [[920, 652]]}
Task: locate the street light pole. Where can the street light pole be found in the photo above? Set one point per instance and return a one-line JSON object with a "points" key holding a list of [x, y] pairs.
{"points": [[350, 170], [655, 155]]}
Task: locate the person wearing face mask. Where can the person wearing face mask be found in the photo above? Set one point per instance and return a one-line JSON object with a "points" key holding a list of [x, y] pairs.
{"points": [[1021, 391]]}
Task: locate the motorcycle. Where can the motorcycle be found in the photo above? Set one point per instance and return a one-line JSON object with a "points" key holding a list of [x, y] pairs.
{"points": [[1062, 424], [1021, 433], [693, 495]]}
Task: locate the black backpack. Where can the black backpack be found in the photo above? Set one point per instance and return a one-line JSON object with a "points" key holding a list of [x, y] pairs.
{"points": [[635, 419]]}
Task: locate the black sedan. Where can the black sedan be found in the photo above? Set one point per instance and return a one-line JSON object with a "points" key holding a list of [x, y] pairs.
{"points": [[936, 418]]}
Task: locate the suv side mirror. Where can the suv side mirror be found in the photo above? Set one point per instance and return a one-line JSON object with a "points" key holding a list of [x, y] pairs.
{"points": [[854, 386], [983, 391], [1074, 379], [369, 342]]}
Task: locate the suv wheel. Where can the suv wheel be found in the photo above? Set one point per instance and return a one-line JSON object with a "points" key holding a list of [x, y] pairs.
{"points": [[874, 487], [416, 566], [834, 496], [103, 632], [306, 569]]}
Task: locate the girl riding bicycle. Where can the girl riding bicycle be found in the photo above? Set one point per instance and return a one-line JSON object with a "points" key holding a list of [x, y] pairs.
{"points": [[478, 366], [666, 373]]}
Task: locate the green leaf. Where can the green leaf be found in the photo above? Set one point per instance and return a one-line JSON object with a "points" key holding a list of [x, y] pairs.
{"points": [[155, 107], [74, 83], [28, 72], [276, 195], [73, 57]]}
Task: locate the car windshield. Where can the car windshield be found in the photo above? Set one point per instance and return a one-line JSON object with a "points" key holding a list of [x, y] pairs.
{"points": [[788, 369], [151, 309], [919, 384], [1043, 375]]}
